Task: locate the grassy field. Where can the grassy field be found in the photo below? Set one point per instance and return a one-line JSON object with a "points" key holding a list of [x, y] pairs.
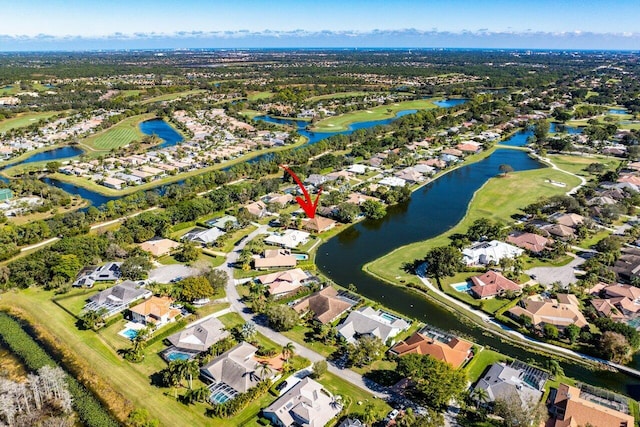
{"points": [[120, 134], [480, 362], [171, 96], [498, 199], [254, 96], [577, 165], [354, 398], [25, 119], [337, 95], [342, 122]]}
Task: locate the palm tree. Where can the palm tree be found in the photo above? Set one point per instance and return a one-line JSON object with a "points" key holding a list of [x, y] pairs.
{"points": [[191, 368], [263, 369], [554, 367], [369, 415], [248, 331], [480, 395], [288, 350]]}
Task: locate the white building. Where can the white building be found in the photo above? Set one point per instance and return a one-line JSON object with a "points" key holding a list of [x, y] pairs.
{"points": [[483, 253]]}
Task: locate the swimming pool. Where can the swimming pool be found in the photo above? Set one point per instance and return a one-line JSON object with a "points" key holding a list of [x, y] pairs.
{"points": [[172, 355], [388, 317], [462, 287], [129, 333], [219, 397], [301, 257]]}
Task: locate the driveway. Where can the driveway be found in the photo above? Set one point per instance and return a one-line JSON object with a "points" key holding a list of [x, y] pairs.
{"points": [[167, 273], [565, 274]]}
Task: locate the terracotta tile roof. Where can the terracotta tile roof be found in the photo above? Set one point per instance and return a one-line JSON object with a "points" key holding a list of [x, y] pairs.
{"points": [[550, 311], [156, 307], [319, 224], [581, 412], [529, 241], [324, 304], [492, 283], [455, 352]]}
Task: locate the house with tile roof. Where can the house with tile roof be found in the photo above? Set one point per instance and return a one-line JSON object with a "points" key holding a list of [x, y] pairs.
{"points": [[159, 247], [275, 258], [531, 242], [560, 312], [326, 305], [571, 407], [305, 404], [452, 350], [156, 310], [258, 208], [492, 283], [502, 382], [283, 282], [368, 321], [199, 337], [318, 224]]}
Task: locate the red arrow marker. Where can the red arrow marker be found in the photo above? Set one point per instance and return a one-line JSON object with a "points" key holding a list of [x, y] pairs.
{"points": [[306, 204]]}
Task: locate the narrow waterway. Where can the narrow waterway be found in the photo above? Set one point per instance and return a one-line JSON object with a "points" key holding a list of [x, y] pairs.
{"points": [[432, 210]]}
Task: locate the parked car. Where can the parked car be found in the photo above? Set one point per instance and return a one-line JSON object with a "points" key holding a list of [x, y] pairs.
{"points": [[281, 386]]}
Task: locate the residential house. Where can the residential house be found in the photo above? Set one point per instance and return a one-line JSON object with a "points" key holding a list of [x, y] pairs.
{"points": [[110, 272], [628, 264], [368, 321], [452, 350], [568, 219], [483, 253], [351, 422], [358, 169], [621, 302], [326, 305], [531, 242], [275, 258], [199, 337], [159, 247], [315, 180], [116, 298], [570, 407], [492, 283], [504, 382], [203, 236], [258, 208], [156, 310], [235, 370], [318, 224], [358, 198], [452, 152], [288, 238], [279, 199], [305, 404], [224, 222], [559, 231], [392, 181], [114, 183], [560, 312], [410, 175], [283, 282]]}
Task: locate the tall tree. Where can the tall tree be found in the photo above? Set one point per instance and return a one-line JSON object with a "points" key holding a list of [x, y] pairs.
{"points": [[443, 261]]}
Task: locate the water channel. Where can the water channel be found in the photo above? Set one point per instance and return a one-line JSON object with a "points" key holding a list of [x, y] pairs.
{"points": [[432, 210]]}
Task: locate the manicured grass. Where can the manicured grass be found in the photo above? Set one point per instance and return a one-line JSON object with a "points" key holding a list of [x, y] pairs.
{"points": [[351, 395], [254, 96], [76, 203], [498, 199], [25, 119], [132, 380], [250, 114], [343, 121], [577, 164], [297, 334], [590, 241], [118, 135], [171, 96], [480, 362], [537, 262]]}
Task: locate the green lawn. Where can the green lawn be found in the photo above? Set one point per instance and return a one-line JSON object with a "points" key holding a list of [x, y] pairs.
{"points": [[498, 199], [171, 96], [118, 135], [297, 334], [577, 164], [595, 238], [342, 121], [338, 95], [353, 395], [25, 119], [480, 362], [254, 96]]}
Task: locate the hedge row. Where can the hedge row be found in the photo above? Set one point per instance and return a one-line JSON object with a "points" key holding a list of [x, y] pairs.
{"points": [[169, 330], [88, 408]]}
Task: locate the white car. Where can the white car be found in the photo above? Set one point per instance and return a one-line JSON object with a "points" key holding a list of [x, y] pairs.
{"points": [[393, 414]]}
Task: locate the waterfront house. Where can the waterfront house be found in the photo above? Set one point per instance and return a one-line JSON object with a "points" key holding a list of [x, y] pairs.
{"points": [[570, 407], [288, 238], [326, 305], [492, 283], [449, 349], [305, 404], [505, 382], [283, 282], [368, 321], [318, 224], [114, 183], [560, 312], [275, 258], [159, 247], [156, 310], [199, 337], [392, 181], [483, 253]]}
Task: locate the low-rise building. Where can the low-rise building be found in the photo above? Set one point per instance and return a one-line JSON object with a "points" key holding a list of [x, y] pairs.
{"points": [[156, 310], [560, 312], [319, 224], [203, 236], [502, 382], [275, 258], [483, 253], [159, 247], [326, 305], [288, 238], [199, 337], [368, 321], [283, 282], [492, 283], [531, 242], [452, 350]]}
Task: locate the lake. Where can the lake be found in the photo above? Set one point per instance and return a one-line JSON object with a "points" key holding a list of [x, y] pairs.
{"points": [[51, 155], [163, 130]]}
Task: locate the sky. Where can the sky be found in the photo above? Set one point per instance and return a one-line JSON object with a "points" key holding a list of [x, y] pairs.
{"points": [[82, 24]]}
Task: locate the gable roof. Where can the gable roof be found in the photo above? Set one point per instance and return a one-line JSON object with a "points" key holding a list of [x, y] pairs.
{"points": [[199, 337], [502, 381], [318, 224], [123, 293], [366, 320], [283, 281], [529, 241], [561, 312], [454, 352], [207, 235], [492, 283], [324, 304], [159, 247]]}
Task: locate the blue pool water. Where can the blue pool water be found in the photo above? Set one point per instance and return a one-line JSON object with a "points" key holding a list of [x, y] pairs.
{"points": [[618, 111], [463, 287], [301, 257], [177, 355], [130, 333], [388, 317], [219, 397]]}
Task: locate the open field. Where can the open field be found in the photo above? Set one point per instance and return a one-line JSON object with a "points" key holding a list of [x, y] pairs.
{"points": [[254, 96], [25, 119], [480, 362], [577, 165], [352, 395], [342, 122], [118, 135], [498, 199], [337, 95], [171, 96]]}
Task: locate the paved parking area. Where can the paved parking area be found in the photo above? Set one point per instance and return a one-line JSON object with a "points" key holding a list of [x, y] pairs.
{"points": [[565, 274], [167, 273]]}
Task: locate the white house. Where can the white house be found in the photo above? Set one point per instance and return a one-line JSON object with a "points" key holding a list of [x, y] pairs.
{"points": [[392, 181], [367, 321], [288, 239], [483, 253]]}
